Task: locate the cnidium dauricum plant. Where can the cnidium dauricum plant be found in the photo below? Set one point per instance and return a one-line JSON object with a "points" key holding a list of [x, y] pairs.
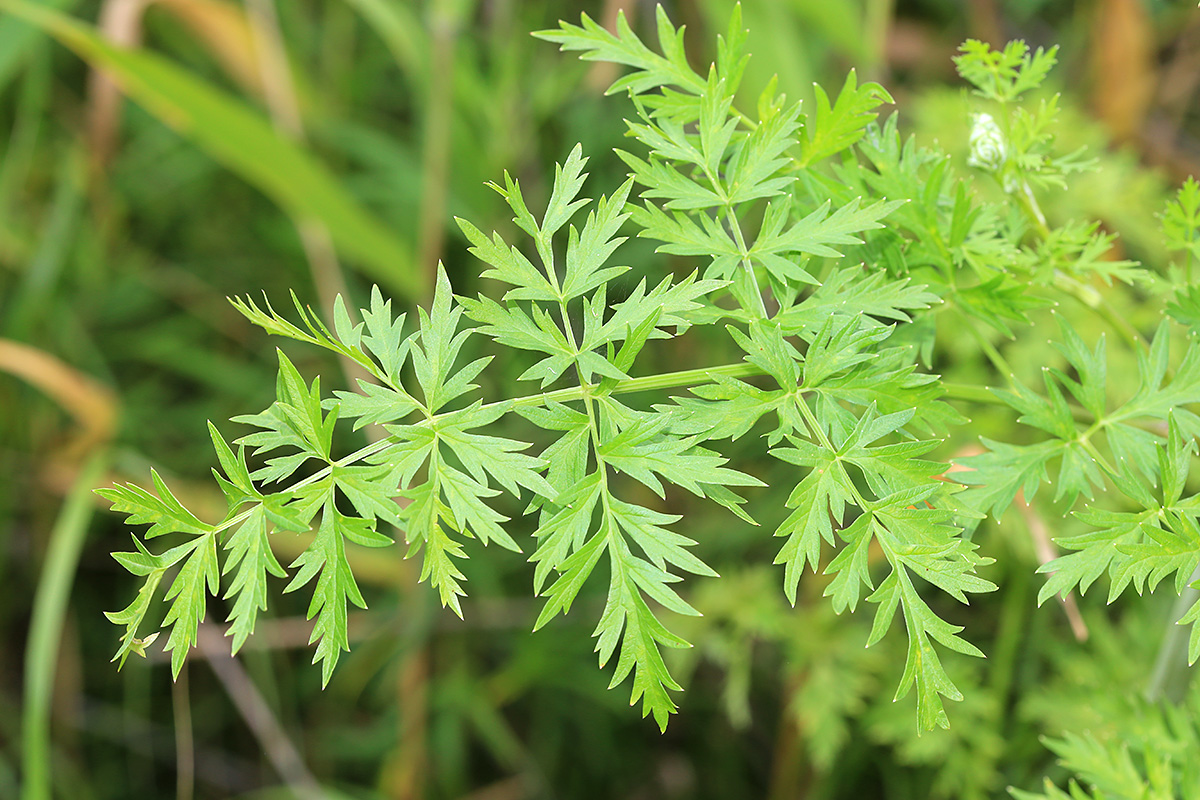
{"points": [[830, 251]]}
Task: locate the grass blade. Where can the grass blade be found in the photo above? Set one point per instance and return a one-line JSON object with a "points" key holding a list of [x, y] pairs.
{"points": [[244, 142], [45, 629]]}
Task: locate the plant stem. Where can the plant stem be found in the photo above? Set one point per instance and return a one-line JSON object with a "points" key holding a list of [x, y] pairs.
{"points": [[444, 19], [1095, 301], [877, 17], [1171, 670], [1085, 294], [973, 394], [49, 609], [1095, 453], [760, 307], [814, 425], [667, 380], [185, 749], [993, 355]]}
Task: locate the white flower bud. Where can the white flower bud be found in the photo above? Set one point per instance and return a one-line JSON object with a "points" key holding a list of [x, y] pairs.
{"points": [[988, 149]]}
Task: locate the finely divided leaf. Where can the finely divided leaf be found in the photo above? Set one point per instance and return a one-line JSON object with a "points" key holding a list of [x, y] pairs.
{"points": [[325, 560], [249, 553]]}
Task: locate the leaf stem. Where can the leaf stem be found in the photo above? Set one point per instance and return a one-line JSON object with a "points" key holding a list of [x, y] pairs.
{"points": [[1094, 452], [993, 355], [669, 380], [1171, 669], [1085, 294], [666, 380], [1088, 296], [744, 252], [814, 425]]}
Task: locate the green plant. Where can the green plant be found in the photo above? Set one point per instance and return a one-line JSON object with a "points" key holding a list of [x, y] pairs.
{"points": [[1158, 761], [843, 262]]}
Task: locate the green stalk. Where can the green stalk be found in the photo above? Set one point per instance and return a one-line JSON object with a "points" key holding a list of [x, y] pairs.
{"points": [[667, 380], [1086, 295], [444, 20], [1095, 301], [45, 629], [877, 17], [1171, 669], [970, 393], [993, 355], [760, 307]]}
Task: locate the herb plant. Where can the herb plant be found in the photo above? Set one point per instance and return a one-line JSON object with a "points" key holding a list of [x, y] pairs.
{"points": [[844, 263]]}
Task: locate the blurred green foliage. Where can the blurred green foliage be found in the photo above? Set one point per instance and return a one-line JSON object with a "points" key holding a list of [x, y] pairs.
{"points": [[124, 224]]}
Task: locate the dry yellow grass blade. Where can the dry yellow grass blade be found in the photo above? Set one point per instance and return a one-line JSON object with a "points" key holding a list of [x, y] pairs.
{"points": [[93, 406]]}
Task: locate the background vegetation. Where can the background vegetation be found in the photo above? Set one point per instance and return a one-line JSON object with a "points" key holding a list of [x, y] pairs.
{"points": [[321, 146]]}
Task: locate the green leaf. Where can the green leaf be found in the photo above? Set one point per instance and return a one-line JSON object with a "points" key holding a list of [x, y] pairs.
{"points": [[754, 170], [567, 456], [437, 348], [535, 331], [367, 489], [927, 545], [1096, 551], [812, 235], [652, 70], [500, 458], [1190, 617], [384, 338], [1184, 307], [565, 531], [325, 560], [767, 349], [153, 567], [374, 405], [1091, 367], [1154, 398], [869, 297], [665, 182], [507, 264], [347, 342], [294, 421], [424, 528], [662, 547], [564, 198], [922, 667], [835, 127], [841, 344], [996, 476], [1166, 549], [701, 236], [197, 578], [1181, 219], [1174, 459], [249, 553], [850, 568], [628, 619], [1050, 414], [438, 568], [642, 453], [726, 408], [669, 305], [465, 499], [574, 570], [588, 250], [819, 500], [1003, 75], [161, 511], [235, 482]]}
